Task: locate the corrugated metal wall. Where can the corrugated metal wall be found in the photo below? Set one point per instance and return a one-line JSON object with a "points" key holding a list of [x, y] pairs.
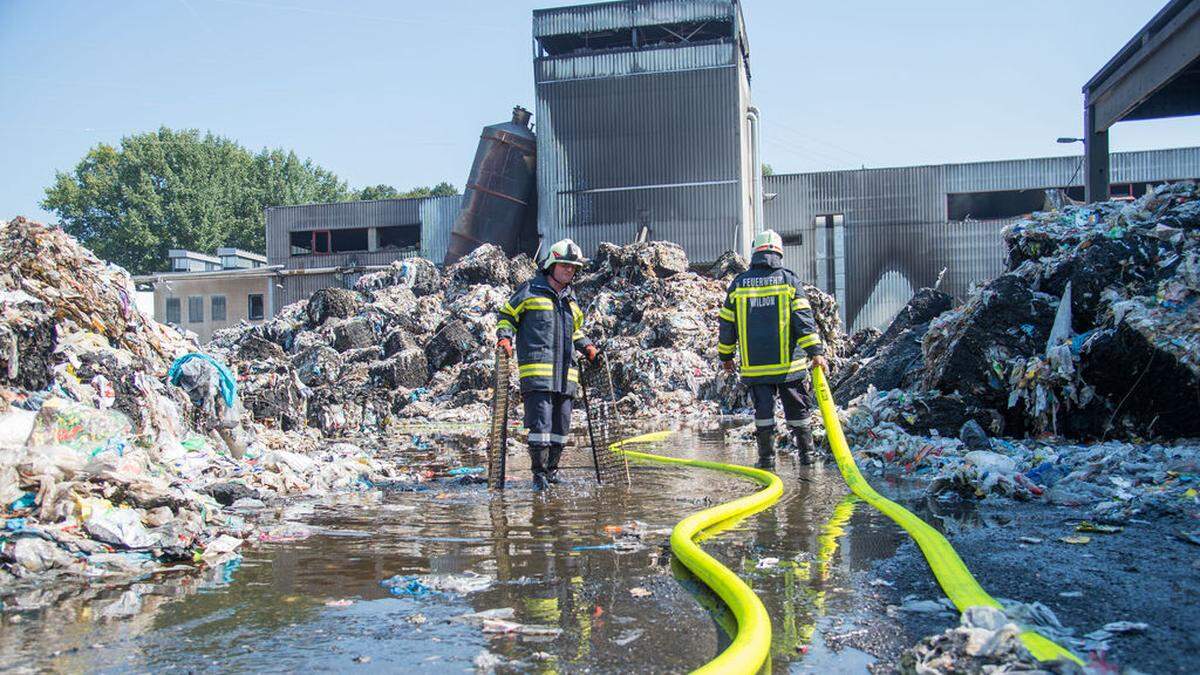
{"points": [[648, 137], [434, 215], [437, 220], [281, 220], [897, 234], [620, 64]]}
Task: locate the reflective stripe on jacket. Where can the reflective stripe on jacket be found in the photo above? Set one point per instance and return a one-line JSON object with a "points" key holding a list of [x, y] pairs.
{"points": [[767, 320], [547, 331]]}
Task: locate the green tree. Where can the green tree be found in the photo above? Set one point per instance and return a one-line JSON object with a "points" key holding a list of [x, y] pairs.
{"points": [[767, 170], [382, 191], [180, 189]]}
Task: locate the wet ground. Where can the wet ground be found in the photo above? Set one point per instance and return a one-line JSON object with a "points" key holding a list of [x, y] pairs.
{"points": [[1143, 574], [815, 558], [618, 610]]}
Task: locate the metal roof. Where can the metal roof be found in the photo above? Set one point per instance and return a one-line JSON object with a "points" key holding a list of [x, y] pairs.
{"points": [[597, 17]]}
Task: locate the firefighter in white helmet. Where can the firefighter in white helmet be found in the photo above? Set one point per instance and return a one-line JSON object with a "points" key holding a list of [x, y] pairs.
{"points": [[767, 322], [546, 325]]}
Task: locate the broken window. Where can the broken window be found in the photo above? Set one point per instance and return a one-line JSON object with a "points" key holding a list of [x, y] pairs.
{"points": [[307, 242], [994, 205], [399, 237], [254, 304], [344, 241], [217, 308], [173, 311], [642, 37], [1127, 192]]}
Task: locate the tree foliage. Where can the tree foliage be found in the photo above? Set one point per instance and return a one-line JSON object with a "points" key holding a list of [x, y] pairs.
{"points": [[382, 191], [182, 189]]}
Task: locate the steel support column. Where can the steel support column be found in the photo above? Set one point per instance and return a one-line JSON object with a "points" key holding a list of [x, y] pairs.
{"points": [[1095, 158]]}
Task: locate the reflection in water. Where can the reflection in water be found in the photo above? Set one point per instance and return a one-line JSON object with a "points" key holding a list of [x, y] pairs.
{"points": [[271, 613]]}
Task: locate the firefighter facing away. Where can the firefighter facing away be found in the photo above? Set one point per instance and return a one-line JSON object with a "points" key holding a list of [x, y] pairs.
{"points": [[546, 326], [767, 321]]}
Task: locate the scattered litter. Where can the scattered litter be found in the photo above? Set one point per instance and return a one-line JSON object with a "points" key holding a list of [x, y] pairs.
{"points": [[511, 627], [984, 641], [922, 606], [1126, 627], [501, 613], [420, 586], [1086, 526], [639, 592], [1075, 539], [628, 636], [345, 602], [767, 563], [486, 661]]}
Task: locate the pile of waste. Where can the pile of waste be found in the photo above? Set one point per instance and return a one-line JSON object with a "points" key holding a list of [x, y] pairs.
{"points": [[416, 343], [122, 448], [1071, 378], [1092, 332], [1113, 481], [984, 642]]}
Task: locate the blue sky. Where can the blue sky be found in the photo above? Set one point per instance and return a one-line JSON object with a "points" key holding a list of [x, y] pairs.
{"points": [[390, 92]]}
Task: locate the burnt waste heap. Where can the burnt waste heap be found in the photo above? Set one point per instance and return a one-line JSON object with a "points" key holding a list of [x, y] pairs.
{"points": [[415, 343], [1074, 376]]}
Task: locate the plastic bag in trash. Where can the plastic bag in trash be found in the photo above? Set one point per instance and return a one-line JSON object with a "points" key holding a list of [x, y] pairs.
{"points": [[78, 426], [38, 555], [120, 527]]}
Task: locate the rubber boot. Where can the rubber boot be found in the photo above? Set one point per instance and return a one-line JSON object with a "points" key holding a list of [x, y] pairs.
{"points": [[552, 465], [766, 448], [537, 462], [804, 444]]}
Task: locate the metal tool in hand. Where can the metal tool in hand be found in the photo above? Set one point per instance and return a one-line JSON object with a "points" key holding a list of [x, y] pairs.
{"points": [[497, 449], [600, 402]]}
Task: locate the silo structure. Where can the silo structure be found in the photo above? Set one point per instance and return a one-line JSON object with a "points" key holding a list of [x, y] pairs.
{"points": [[499, 193]]}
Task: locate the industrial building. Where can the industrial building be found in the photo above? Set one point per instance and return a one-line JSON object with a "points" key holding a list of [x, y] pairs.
{"points": [[871, 237], [644, 120], [1155, 75], [315, 246], [205, 293], [645, 127]]}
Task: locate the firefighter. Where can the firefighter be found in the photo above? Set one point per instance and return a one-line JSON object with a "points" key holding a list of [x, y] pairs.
{"points": [[545, 323], [767, 321]]}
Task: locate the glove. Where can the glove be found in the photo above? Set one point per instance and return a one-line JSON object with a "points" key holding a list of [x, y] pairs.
{"points": [[728, 366], [505, 344], [590, 352], [819, 361]]}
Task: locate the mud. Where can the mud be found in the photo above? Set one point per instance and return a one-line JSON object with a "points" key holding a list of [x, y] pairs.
{"points": [[1145, 573]]}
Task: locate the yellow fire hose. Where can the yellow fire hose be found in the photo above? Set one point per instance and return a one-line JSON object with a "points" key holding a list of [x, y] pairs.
{"points": [[751, 647], [952, 574]]}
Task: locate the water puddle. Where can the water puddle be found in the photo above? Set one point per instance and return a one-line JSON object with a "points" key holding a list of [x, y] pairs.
{"points": [[579, 578]]}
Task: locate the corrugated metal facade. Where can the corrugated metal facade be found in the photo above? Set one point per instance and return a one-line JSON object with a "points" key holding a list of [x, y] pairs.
{"points": [[437, 220], [897, 236], [642, 137], [283, 220], [434, 215]]}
